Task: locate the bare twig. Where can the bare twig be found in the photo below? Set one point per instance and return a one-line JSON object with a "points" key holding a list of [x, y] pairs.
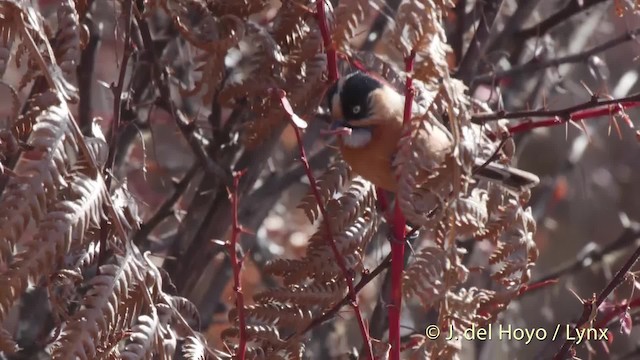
{"points": [[572, 8], [469, 62], [630, 234], [346, 272], [118, 89], [536, 65], [524, 8], [186, 127], [590, 306], [234, 247], [166, 209], [594, 107]]}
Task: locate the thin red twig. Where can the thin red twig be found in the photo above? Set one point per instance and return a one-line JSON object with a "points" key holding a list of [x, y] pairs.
{"points": [[526, 289], [399, 232], [295, 124], [578, 116], [332, 54], [632, 100], [236, 263], [590, 306]]}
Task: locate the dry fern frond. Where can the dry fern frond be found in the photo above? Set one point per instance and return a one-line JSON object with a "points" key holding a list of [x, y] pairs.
{"points": [[186, 309], [61, 229], [193, 348], [290, 25], [23, 125], [468, 306], [258, 63], [71, 38], [311, 296], [167, 342], [54, 148], [209, 31], [426, 277], [348, 16], [94, 323], [314, 283], [28, 25], [211, 61], [284, 315], [24, 200], [266, 342], [329, 183], [353, 220], [419, 29], [516, 252], [470, 213], [305, 99], [419, 197], [143, 337]]}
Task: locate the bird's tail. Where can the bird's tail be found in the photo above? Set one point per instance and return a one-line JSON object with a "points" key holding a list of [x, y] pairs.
{"points": [[512, 178]]}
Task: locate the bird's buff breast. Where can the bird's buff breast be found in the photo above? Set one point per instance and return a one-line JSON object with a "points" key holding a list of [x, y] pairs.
{"points": [[373, 160]]}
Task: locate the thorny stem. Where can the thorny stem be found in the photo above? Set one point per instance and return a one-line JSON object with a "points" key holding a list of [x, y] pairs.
{"points": [[236, 263], [332, 54], [573, 112], [399, 232], [579, 116], [346, 272], [593, 108], [590, 306]]}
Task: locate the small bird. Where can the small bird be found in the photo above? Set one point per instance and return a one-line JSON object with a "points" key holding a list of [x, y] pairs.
{"points": [[367, 115]]}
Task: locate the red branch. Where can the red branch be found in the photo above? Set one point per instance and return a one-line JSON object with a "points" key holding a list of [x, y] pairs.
{"points": [[536, 286], [590, 305], [399, 232], [236, 263], [332, 54], [578, 116], [295, 122], [593, 108]]}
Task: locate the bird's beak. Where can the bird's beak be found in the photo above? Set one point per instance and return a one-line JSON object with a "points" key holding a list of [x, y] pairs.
{"points": [[340, 123], [339, 128]]}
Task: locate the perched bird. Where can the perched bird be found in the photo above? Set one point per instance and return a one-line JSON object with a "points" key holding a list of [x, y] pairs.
{"points": [[367, 114]]}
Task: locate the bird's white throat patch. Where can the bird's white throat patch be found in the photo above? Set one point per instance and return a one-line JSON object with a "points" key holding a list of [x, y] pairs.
{"points": [[358, 138]]}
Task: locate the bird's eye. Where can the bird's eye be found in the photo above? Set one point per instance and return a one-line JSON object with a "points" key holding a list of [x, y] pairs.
{"points": [[356, 109]]}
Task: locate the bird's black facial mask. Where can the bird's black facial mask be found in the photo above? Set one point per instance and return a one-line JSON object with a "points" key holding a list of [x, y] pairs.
{"points": [[354, 96]]}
